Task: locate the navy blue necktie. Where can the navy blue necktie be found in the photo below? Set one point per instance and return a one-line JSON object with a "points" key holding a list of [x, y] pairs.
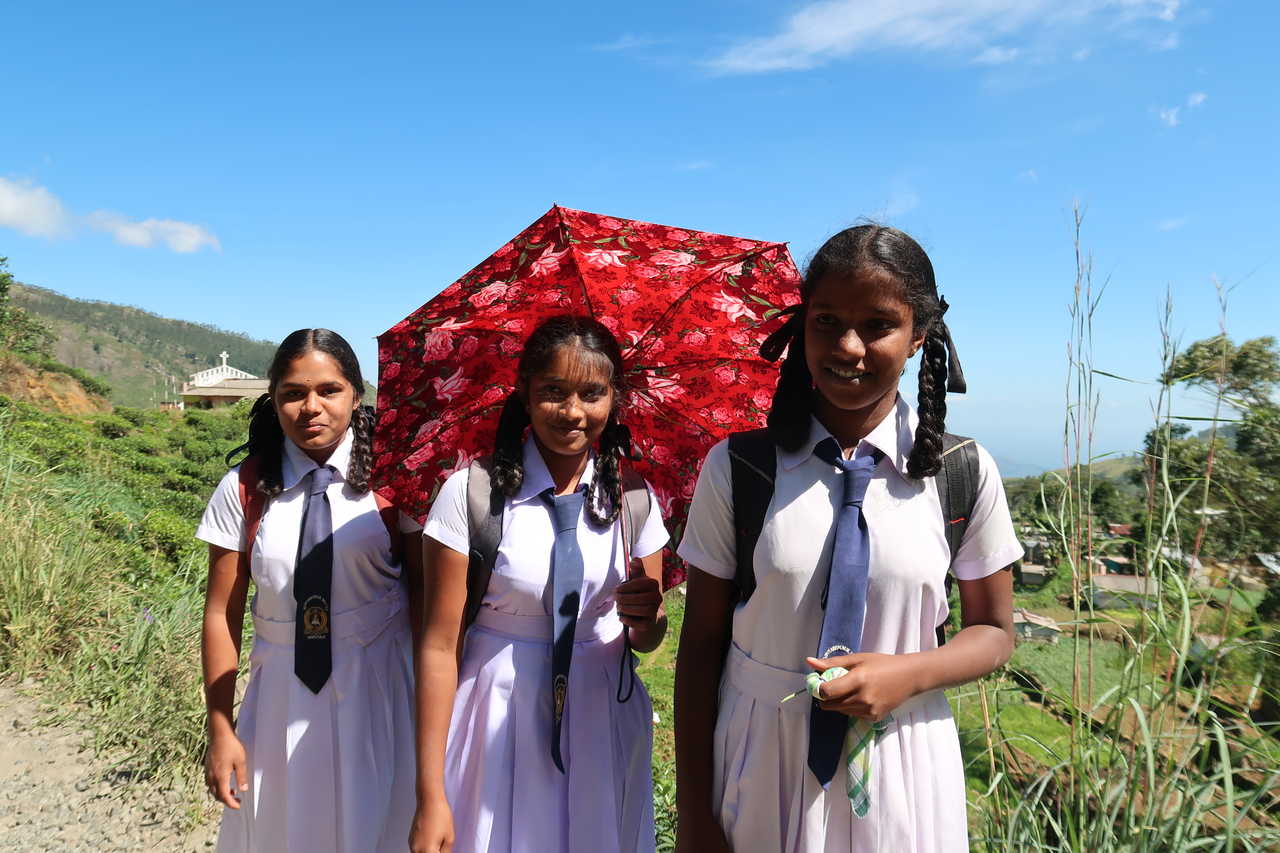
{"points": [[845, 599], [312, 581], [566, 592]]}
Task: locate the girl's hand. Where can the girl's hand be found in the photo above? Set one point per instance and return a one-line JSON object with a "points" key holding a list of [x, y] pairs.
{"points": [[875, 685], [432, 827], [638, 598], [225, 756]]}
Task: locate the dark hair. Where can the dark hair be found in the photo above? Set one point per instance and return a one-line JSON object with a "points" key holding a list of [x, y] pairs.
{"points": [[266, 438], [604, 497], [872, 248]]}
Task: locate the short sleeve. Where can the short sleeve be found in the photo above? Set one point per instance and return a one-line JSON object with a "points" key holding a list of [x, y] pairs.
{"points": [[990, 542], [223, 521], [653, 536], [709, 543], [447, 521]]}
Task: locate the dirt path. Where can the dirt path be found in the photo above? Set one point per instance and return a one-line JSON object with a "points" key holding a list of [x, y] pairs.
{"points": [[57, 797]]}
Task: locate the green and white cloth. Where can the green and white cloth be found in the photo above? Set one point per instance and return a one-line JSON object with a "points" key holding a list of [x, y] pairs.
{"points": [[861, 736]]}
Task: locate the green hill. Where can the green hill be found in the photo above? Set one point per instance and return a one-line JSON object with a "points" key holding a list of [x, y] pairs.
{"points": [[143, 356]]}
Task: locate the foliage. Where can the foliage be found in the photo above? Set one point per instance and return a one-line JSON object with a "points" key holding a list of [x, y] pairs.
{"points": [[1246, 374], [20, 332]]}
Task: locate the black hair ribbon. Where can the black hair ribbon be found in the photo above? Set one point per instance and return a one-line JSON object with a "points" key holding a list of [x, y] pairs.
{"points": [[955, 374], [771, 349]]}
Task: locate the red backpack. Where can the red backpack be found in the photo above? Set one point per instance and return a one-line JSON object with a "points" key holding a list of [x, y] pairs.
{"points": [[254, 503]]}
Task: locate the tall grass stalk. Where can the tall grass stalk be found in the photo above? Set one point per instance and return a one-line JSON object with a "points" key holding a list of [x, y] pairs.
{"points": [[1156, 755]]}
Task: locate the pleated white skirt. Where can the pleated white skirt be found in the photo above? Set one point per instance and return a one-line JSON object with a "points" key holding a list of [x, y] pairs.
{"points": [[334, 771], [769, 800], [506, 793]]}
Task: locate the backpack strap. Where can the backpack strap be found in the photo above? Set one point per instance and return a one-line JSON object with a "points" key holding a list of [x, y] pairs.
{"points": [[753, 464], [635, 509], [252, 504], [484, 525], [958, 492]]}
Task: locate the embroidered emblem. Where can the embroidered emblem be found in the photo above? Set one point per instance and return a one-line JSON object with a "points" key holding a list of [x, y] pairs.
{"points": [[559, 690], [837, 649], [315, 618]]}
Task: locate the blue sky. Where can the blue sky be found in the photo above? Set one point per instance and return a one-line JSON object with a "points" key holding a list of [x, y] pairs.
{"points": [[268, 166]]}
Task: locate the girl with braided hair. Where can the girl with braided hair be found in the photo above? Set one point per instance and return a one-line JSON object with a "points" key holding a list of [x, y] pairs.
{"points": [[846, 572], [321, 757], [533, 735]]}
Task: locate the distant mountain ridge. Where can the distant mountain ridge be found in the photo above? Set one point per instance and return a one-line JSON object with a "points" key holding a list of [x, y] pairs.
{"points": [[144, 357]]}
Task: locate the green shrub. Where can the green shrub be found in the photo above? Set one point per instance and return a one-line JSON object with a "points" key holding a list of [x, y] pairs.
{"points": [[167, 532], [110, 426], [143, 442]]}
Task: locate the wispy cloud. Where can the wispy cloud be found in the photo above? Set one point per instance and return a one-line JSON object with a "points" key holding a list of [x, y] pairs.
{"points": [[822, 31], [1170, 41], [182, 237], [694, 166], [902, 202], [1195, 99], [34, 210], [1029, 175], [1082, 54], [996, 56], [627, 42], [1172, 224], [1170, 116]]}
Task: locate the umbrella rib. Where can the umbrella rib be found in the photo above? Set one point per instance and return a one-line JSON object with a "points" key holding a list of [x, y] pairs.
{"points": [[676, 303], [581, 277]]}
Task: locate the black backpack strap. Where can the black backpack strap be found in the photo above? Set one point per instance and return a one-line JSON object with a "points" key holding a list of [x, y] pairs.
{"points": [[958, 492], [753, 464], [635, 505], [484, 526]]}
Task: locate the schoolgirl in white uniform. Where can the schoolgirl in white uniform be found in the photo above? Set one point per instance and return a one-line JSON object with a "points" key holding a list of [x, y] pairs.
{"points": [[748, 766], [496, 772], [321, 757]]}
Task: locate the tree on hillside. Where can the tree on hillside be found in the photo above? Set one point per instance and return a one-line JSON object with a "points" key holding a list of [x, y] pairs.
{"points": [[19, 331], [1246, 477], [1248, 374]]}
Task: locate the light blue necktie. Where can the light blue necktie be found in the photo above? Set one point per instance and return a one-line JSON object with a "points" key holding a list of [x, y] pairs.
{"points": [[566, 593], [845, 599]]}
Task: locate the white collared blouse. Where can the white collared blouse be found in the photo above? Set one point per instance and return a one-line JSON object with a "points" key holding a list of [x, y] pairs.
{"points": [[906, 599], [521, 579], [363, 566]]}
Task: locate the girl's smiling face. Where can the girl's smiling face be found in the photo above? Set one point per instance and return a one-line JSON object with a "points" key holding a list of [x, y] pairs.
{"points": [[858, 334], [314, 403], [570, 402]]}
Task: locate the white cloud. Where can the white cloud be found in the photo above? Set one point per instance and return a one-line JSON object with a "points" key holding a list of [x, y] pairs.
{"points": [[1082, 54], [31, 209], [182, 237], [1170, 116], [826, 30], [1195, 99], [996, 56], [1169, 42], [626, 42], [1029, 175], [900, 203], [1171, 224]]}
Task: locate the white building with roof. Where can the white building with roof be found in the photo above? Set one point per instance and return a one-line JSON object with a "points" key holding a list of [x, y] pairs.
{"points": [[221, 385]]}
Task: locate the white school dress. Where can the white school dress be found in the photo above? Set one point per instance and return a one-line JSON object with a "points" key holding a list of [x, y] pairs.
{"points": [[765, 794], [506, 793], [334, 771]]}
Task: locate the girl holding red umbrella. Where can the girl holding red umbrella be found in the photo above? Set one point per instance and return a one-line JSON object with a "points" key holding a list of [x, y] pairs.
{"points": [[523, 743]]}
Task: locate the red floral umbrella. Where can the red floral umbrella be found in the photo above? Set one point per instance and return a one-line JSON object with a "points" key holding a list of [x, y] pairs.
{"points": [[687, 307]]}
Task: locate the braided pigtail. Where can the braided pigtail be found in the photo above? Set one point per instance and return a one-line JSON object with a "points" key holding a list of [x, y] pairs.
{"points": [[793, 399], [604, 496], [926, 454], [508, 446], [266, 441], [358, 470]]}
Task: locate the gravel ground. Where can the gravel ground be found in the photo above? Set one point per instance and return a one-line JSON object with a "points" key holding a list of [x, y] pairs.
{"points": [[56, 796]]}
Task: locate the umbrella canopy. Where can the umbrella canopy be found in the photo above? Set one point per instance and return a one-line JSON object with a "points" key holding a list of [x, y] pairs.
{"points": [[687, 308]]}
